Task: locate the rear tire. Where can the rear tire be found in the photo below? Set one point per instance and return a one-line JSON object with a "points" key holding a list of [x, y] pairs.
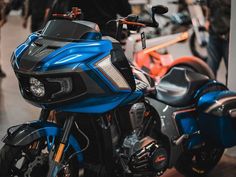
{"points": [[199, 162]]}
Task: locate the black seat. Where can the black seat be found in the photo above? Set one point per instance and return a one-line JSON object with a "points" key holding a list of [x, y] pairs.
{"points": [[178, 87]]}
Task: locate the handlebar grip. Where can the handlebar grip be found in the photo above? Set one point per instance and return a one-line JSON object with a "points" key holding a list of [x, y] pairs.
{"points": [[148, 23]]}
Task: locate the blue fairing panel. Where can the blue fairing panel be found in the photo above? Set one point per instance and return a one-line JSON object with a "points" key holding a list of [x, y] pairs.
{"points": [[76, 53], [21, 48], [216, 123], [211, 98], [187, 123], [98, 105]]}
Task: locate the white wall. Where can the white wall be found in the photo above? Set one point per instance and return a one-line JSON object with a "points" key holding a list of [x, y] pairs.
{"points": [[232, 60], [232, 51]]}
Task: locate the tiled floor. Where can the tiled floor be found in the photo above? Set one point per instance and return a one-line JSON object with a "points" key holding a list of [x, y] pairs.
{"points": [[14, 110]]}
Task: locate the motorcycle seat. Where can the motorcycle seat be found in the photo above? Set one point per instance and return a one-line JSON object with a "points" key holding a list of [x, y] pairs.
{"points": [[177, 88]]}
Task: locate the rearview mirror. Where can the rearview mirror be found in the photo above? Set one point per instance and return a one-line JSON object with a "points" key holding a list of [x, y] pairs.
{"points": [[159, 9]]}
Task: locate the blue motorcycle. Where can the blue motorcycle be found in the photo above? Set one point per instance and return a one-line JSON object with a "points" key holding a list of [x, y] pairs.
{"points": [[112, 119]]}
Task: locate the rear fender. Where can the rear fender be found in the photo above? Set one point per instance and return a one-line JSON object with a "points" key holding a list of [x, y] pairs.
{"points": [[195, 63], [22, 135]]}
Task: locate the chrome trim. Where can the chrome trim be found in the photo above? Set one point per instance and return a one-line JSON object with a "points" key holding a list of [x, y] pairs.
{"points": [[232, 113], [219, 103]]}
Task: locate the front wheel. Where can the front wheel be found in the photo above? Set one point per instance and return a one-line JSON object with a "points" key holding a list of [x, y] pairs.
{"points": [[199, 163], [31, 161]]}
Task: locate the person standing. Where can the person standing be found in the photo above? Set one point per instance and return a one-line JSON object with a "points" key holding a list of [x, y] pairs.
{"points": [[218, 24], [97, 11], [102, 11], [36, 9]]}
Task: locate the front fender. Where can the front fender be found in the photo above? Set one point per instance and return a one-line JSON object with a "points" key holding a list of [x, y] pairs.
{"points": [[24, 134]]}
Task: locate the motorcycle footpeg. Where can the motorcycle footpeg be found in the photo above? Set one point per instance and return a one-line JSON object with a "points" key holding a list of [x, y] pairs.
{"points": [[184, 137]]}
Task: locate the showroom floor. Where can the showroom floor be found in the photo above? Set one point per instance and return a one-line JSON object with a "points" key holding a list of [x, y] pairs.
{"points": [[14, 110]]}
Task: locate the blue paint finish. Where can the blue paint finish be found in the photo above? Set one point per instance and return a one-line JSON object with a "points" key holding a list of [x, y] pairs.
{"points": [[21, 48], [51, 130], [96, 105], [207, 85], [210, 98], [79, 57], [75, 53], [187, 124], [220, 129], [51, 143], [132, 98], [92, 36]]}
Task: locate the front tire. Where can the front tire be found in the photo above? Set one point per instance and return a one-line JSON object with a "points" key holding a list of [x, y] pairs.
{"points": [[30, 161], [199, 162]]}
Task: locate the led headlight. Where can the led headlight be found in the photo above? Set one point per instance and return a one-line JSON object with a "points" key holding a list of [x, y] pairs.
{"points": [[36, 87]]}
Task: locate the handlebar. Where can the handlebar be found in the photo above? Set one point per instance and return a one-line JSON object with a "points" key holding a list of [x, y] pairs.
{"points": [[148, 23], [73, 15], [135, 20]]}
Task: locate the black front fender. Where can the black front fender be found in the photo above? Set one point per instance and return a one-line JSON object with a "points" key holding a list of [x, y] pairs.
{"points": [[25, 134]]}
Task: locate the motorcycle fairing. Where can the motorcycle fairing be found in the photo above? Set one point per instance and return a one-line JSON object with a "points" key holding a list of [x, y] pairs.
{"points": [[99, 105], [21, 48], [217, 119], [67, 54], [27, 133], [94, 92]]}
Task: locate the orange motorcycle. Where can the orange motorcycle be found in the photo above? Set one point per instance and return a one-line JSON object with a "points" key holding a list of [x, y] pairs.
{"points": [[157, 64]]}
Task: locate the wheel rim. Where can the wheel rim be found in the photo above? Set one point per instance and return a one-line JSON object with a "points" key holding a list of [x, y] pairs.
{"points": [[33, 162], [204, 160]]}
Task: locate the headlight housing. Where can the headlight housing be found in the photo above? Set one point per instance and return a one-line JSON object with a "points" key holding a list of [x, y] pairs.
{"points": [[65, 86], [36, 87], [50, 88]]}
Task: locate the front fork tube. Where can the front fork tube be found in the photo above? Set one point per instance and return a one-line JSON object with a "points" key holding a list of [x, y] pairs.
{"points": [[55, 157], [44, 114]]}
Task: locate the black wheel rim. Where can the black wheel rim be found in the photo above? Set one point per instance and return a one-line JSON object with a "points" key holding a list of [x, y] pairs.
{"points": [[33, 162]]}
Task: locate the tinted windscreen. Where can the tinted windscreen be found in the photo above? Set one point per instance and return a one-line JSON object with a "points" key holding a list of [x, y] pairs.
{"points": [[66, 30]]}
